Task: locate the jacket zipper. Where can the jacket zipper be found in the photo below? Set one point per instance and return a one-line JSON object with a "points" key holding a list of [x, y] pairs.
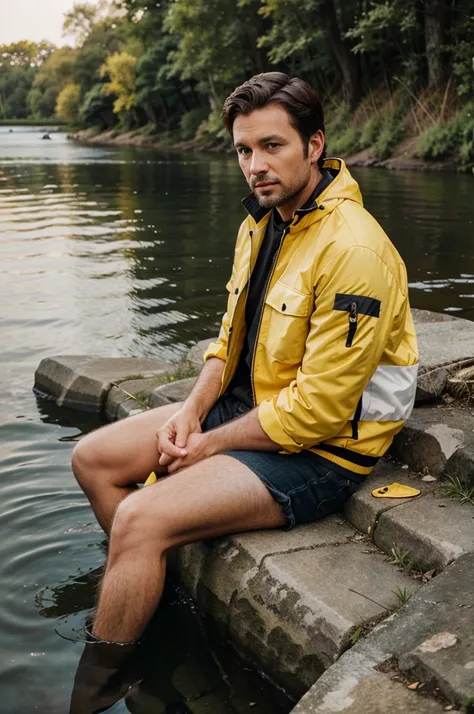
{"points": [[352, 324], [270, 275]]}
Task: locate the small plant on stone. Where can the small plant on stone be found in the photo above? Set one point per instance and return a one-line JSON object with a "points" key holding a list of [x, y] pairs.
{"points": [[402, 596], [183, 370], [453, 488], [401, 558], [356, 635], [468, 705]]}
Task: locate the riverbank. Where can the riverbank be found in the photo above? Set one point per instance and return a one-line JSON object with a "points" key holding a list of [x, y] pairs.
{"points": [[404, 156], [355, 601]]}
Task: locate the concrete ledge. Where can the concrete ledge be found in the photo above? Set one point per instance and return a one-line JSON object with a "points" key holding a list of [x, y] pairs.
{"points": [[83, 382], [431, 531], [443, 339], [171, 393], [290, 601], [444, 605], [354, 686]]}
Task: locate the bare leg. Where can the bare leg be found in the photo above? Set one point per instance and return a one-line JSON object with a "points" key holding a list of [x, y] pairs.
{"points": [[109, 462], [217, 496]]}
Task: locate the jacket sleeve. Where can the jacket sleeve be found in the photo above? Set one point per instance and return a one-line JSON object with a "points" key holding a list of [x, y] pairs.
{"points": [[336, 365], [219, 347]]}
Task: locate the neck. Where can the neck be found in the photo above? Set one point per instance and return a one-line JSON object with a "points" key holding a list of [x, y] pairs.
{"points": [[287, 210]]}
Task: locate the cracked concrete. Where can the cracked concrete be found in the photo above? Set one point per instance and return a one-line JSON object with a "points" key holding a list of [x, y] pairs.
{"points": [[443, 605], [291, 600]]}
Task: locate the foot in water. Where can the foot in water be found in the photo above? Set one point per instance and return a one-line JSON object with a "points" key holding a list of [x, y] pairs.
{"points": [[105, 674]]}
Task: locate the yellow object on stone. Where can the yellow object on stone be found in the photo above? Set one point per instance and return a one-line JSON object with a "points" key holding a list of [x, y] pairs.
{"points": [[151, 479], [396, 490]]}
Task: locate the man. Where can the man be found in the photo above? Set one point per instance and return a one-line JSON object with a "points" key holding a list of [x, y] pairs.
{"points": [[312, 375]]}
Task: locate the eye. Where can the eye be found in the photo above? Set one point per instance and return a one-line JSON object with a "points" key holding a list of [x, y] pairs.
{"points": [[272, 145], [243, 151]]}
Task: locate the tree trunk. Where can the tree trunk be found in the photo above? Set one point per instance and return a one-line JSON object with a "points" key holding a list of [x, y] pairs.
{"points": [[435, 31], [348, 63]]}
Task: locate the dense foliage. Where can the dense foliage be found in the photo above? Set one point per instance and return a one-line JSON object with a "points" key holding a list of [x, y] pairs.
{"points": [[386, 69]]}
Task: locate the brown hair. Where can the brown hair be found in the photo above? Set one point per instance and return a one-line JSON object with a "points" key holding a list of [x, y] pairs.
{"points": [[295, 95]]}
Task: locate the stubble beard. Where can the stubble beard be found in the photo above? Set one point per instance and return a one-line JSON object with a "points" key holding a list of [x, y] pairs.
{"points": [[286, 195]]}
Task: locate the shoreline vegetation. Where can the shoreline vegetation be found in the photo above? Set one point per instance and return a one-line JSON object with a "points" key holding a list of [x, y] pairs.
{"points": [[404, 156], [396, 78]]}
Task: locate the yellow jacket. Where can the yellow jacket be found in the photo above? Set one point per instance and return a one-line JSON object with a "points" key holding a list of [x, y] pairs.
{"points": [[335, 361]]}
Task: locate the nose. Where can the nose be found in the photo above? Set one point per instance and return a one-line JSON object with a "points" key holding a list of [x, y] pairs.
{"points": [[258, 164]]}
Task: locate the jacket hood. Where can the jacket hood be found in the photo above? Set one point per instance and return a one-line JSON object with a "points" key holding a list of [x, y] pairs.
{"points": [[343, 187]]}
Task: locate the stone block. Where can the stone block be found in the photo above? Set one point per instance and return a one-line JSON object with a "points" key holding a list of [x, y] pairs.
{"points": [[442, 339], [434, 531], [119, 404], [298, 611], [430, 385], [196, 353], [450, 668], [461, 464], [375, 693], [172, 392], [431, 437], [445, 604], [214, 570], [83, 382]]}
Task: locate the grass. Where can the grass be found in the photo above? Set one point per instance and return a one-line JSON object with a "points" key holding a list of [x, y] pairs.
{"points": [[401, 558], [453, 488], [183, 370], [451, 138], [402, 596], [363, 629]]}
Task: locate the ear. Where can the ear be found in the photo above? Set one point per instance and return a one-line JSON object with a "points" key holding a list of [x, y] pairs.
{"points": [[316, 146]]}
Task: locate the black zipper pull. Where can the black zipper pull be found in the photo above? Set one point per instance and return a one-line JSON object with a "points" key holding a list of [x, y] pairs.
{"points": [[352, 323]]}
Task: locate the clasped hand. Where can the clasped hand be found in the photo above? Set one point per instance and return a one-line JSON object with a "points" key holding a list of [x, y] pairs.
{"points": [[181, 442]]}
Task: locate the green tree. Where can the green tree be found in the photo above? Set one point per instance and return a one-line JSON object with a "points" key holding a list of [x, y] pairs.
{"points": [[50, 79], [97, 109], [68, 103], [212, 36], [19, 62], [119, 69]]}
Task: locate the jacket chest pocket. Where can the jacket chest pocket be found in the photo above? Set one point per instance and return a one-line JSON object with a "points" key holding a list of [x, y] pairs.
{"points": [[287, 314]]}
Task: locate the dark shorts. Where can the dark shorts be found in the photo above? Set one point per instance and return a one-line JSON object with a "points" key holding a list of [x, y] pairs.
{"points": [[305, 485]]}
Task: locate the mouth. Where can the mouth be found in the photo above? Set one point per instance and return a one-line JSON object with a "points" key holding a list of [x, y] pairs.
{"points": [[265, 184]]}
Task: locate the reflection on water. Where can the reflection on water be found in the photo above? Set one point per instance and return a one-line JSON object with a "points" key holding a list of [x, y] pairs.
{"points": [[117, 252]]}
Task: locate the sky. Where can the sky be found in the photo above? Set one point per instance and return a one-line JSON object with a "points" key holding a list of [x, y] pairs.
{"points": [[33, 20]]}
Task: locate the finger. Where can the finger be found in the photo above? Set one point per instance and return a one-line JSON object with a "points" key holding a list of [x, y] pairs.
{"points": [[182, 437], [165, 446], [176, 465], [164, 460]]}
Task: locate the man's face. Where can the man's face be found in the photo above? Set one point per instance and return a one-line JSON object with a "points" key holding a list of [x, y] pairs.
{"points": [[272, 156]]}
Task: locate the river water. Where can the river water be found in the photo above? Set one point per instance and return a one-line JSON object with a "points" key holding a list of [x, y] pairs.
{"points": [[124, 252]]}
